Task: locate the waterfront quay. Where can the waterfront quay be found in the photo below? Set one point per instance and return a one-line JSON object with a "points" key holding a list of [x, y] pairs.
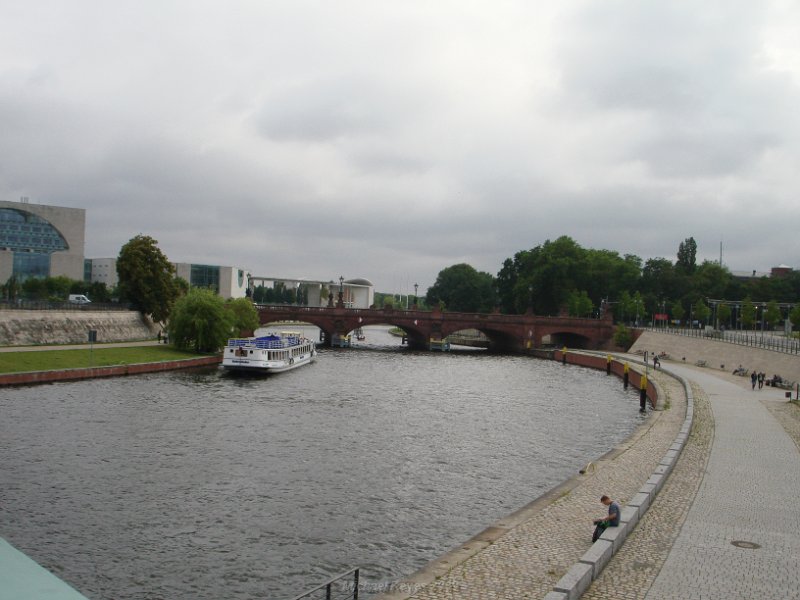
{"points": [[526, 554], [725, 523], [204, 486]]}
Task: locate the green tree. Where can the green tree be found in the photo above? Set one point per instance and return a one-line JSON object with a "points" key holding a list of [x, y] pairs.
{"points": [[678, 312], [723, 315], [59, 288], [637, 308], [12, 288], [659, 280], [622, 307], [146, 277], [579, 304], [97, 291], [245, 315], [773, 314], [701, 311], [463, 289], [200, 321], [794, 315], [748, 313], [622, 336], [181, 286], [35, 288], [687, 256]]}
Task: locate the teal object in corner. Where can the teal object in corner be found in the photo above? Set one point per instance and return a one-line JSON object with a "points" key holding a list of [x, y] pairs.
{"points": [[22, 578]]}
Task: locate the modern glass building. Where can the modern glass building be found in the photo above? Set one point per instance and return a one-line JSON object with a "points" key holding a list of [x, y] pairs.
{"points": [[38, 240]]}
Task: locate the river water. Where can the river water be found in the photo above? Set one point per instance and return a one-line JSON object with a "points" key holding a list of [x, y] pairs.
{"points": [[198, 485]]}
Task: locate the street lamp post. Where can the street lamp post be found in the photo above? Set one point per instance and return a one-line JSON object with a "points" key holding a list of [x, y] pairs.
{"points": [[341, 291], [416, 286]]}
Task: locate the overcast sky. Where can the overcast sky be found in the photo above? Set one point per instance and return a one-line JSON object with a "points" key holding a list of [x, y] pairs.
{"points": [[389, 140]]}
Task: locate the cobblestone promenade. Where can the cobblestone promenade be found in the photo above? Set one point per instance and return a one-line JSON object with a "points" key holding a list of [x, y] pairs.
{"points": [[725, 525], [741, 537]]}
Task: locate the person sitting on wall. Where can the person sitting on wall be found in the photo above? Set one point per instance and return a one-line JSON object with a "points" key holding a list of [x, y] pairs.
{"points": [[611, 520]]}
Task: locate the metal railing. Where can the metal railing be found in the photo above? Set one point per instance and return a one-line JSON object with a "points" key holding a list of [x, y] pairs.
{"points": [[345, 589], [754, 339]]}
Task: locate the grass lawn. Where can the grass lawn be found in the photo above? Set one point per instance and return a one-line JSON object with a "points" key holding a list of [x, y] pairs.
{"points": [[51, 360]]}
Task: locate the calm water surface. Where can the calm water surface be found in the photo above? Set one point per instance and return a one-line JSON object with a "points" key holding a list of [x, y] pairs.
{"points": [[203, 486]]}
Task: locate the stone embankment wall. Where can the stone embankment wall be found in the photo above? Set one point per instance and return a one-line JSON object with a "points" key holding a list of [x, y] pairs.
{"points": [[41, 327], [716, 354], [34, 377]]}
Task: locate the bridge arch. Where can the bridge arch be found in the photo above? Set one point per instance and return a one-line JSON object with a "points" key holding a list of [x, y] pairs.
{"points": [[513, 333], [570, 339]]}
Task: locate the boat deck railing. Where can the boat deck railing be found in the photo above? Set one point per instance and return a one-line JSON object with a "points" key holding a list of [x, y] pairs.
{"points": [[265, 344]]}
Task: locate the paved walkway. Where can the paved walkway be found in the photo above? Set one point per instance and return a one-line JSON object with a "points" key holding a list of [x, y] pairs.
{"points": [[727, 524], [741, 538]]}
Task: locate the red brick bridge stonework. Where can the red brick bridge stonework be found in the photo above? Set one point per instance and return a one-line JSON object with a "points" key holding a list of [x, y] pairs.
{"points": [[506, 333]]}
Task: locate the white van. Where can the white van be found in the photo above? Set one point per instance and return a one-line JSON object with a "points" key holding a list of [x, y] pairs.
{"points": [[78, 299]]}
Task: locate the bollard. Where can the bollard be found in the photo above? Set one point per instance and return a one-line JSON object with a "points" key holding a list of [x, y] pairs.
{"points": [[564, 355], [642, 393], [625, 376], [608, 365]]}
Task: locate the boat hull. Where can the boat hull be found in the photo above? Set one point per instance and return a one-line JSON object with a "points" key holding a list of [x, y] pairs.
{"points": [[245, 365]]}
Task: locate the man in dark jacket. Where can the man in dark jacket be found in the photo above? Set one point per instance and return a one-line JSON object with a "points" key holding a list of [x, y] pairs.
{"points": [[611, 520]]}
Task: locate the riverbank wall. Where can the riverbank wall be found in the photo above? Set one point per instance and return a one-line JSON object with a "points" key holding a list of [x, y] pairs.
{"points": [[37, 377], [46, 327], [717, 355]]}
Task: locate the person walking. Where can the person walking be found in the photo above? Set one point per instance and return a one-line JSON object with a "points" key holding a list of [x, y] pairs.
{"points": [[753, 379]]}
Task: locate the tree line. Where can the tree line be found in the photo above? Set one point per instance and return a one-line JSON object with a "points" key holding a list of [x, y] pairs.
{"points": [[562, 277]]}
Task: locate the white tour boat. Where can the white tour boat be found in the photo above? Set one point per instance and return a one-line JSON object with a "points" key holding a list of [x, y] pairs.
{"points": [[271, 353]]}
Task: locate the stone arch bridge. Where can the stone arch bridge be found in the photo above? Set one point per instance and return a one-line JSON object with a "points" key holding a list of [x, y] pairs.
{"points": [[506, 333]]}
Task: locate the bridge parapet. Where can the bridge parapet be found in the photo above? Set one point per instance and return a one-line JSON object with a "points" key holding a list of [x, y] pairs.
{"points": [[505, 332]]}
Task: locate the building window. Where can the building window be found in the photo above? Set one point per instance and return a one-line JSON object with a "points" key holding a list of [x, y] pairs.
{"points": [[206, 276], [31, 264], [32, 239]]}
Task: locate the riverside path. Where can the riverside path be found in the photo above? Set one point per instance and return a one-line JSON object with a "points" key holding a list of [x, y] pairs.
{"points": [[727, 523], [741, 537]]}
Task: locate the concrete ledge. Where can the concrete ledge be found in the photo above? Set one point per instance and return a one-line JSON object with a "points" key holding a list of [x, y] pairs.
{"points": [[668, 462], [576, 581], [598, 555], [641, 502], [556, 596], [649, 489], [616, 535], [629, 515], [656, 480]]}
